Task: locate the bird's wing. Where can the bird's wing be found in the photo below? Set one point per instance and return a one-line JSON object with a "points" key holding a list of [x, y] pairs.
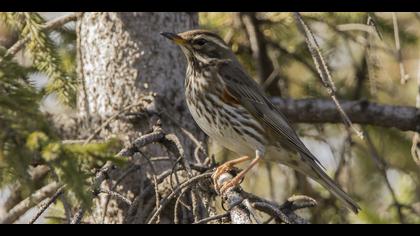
{"points": [[244, 89]]}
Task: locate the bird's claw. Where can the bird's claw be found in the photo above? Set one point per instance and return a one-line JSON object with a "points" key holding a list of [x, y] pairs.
{"points": [[225, 168], [229, 184], [218, 172]]}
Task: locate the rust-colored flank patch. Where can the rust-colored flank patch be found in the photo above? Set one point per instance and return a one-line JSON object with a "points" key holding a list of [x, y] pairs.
{"points": [[228, 98]]}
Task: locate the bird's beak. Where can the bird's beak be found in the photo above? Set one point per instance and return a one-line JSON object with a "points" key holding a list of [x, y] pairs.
{"points": [[174, 37]]}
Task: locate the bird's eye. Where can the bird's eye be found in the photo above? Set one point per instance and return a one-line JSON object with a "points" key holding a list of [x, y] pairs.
{"points": [[200, 42]]}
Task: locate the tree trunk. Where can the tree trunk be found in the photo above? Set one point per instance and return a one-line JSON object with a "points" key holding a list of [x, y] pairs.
{"points": [[125, 63]]}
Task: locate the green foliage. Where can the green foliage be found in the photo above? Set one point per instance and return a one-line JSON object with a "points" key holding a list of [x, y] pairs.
{"points": [[73, 163], [44, 53], [19, 116]]}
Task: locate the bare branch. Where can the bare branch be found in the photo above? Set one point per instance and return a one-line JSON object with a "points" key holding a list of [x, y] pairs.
{"points": [[415, 148], [117, 195], [31, 201], [404, 118], [211, 218], [193, 180], [240, 205], [110, 119], [355, 26], [47, 205], [77, 218]]}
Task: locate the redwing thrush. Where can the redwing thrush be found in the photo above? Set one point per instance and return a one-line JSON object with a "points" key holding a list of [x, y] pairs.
{"points": [[230, 107]]}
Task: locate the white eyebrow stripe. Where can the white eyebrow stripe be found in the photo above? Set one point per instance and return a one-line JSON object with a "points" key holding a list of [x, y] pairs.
{"points": [[215, 40]]}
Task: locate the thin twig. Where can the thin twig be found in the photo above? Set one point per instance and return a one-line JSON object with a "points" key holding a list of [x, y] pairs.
{"points": [[405, 118], [176, 191], [117, 195], [241, 204], [415, 148], [137, 202], [372, 61], [47, 205], [154, 178], [110, 119], [199, 145], [342, 162], [403, 74], [172, 143], [323, 70], [195, 204], [382, 168], [179, 202], [77, 218], [22, 207], [211, 218]]}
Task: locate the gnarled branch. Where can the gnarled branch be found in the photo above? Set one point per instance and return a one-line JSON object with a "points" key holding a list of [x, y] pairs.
{"points": [[242, 206]]}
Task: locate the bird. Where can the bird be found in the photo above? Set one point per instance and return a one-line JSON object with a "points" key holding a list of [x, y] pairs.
{"points": [[232, 109]]}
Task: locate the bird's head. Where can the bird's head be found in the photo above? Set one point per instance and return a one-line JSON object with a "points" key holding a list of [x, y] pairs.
{"points": [[201, 45]]}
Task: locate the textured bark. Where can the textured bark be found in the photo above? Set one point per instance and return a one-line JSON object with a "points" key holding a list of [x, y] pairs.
{"points": [[123, 59]]}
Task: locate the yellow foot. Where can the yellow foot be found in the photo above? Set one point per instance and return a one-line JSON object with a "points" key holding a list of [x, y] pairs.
{"points": [[226, 167], [230, 184]]}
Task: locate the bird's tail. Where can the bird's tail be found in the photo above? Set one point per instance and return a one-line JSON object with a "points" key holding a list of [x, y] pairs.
{"points": [[321, 177]]}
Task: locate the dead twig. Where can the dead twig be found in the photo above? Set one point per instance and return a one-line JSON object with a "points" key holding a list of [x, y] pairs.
{"points": [[212, 218], [110, 119], [403, 74], [117, 195], [29, 202], [77, 218], [323, 70], [47, 204], [415, 148], [187, 183]]}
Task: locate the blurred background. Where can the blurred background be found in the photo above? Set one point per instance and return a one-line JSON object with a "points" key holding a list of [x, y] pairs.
{"points": [[366, 64]]}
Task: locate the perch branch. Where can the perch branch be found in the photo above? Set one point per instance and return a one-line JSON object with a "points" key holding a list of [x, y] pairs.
{"points": [[243, 206], [241, 212]]}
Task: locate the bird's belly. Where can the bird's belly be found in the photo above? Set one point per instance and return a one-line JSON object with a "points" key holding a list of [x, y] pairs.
{"points": [[222, 131]]}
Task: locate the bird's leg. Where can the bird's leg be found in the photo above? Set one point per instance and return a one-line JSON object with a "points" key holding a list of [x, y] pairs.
{"points": [[226, 167], [237, 179]]}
